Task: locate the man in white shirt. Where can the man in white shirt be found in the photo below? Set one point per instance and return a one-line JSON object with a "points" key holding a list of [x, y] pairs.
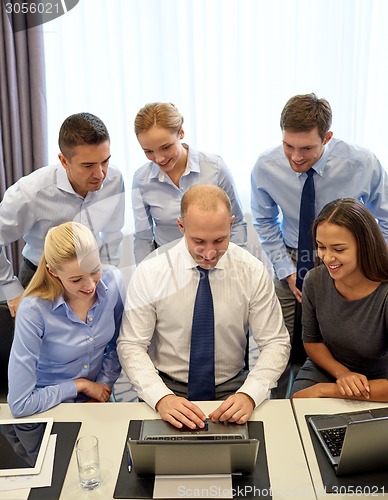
{"points": [[154, 342], [80, 188]]}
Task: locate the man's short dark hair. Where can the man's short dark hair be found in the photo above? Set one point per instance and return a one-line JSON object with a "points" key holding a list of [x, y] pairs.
{"points": [[79, 130], [302, 113]]}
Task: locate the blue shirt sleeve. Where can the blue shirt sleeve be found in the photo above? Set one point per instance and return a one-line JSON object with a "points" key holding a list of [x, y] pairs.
{"points": [[143, 222], [111, 367], [239, 228], [375, 192], [24, 397], [16, 218], [112, 235], [266, 218]]}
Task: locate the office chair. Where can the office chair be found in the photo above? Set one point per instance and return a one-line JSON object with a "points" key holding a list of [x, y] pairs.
{"points": [[7, 324]]}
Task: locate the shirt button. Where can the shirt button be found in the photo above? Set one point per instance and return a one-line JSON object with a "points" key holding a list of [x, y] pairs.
{"points": [[90, 318], [90, 339], [85, 366]]}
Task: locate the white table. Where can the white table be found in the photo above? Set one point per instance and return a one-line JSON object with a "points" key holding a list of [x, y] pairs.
{"points": [[288, 471], [310, 406]]}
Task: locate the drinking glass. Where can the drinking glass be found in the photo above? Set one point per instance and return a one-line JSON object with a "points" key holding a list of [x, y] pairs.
{"points": [[88, 462]]}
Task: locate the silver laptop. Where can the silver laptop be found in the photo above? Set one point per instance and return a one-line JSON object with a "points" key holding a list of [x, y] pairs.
{"points": [[354, 442], [216, 449]]}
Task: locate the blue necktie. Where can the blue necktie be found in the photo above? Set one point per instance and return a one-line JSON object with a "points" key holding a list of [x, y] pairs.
{"points": [[306, 219], [201, 385]]}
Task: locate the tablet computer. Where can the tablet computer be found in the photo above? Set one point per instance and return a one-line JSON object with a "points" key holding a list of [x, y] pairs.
{"points": [[23, 445]]}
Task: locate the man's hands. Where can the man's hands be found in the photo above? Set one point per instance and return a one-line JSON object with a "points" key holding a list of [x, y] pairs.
{"points": [[291, 280], [180, 411], [98, 393], [13, 305], [237, 408]]}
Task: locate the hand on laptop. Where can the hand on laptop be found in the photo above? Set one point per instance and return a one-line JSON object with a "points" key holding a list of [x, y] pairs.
{"points": [[236, 408], [180, 411]]}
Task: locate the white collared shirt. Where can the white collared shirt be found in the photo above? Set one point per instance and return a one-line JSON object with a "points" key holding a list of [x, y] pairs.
{"points": [[156, 329]]}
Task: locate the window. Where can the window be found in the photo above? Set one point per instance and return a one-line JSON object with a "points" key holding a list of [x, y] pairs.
{"points": [[229, 66]]}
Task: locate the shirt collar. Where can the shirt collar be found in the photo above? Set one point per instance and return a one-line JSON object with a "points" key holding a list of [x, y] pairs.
{"points": [[192, 159], [191, 166], [320, 165], [64, 184]]}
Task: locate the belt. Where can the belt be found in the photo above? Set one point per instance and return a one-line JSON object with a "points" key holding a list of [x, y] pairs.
{"points": [[30, 265], [167, 377]]}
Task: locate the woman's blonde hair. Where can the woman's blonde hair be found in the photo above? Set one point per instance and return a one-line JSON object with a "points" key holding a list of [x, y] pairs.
{"points": [[63, 243], [161, 114]]}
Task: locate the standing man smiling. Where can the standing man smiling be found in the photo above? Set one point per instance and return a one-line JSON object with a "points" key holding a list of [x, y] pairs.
{"points": [[339, 170], [80, 188]]}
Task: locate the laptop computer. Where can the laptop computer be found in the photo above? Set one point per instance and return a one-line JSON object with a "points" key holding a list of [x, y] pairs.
{"points": [[354, 442], [217, 449]]}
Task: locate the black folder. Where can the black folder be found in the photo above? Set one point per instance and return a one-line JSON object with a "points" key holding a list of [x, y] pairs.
{"points": [[67, 433], [131, 485]]}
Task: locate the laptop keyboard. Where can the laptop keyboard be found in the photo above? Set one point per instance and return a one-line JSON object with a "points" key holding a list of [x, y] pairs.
{"points": [[195, 437], [334, 439]]}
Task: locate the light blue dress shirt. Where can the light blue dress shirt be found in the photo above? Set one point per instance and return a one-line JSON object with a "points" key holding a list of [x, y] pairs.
{"points": [[156, 200], [343, 171], [44, 199], [52, 347]]}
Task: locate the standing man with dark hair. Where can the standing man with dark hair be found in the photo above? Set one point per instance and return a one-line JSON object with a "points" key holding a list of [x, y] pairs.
{"points": [[80, 188], [333, 168]]}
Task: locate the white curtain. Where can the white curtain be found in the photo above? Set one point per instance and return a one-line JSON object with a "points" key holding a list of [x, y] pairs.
{"points": [[229, 65]]}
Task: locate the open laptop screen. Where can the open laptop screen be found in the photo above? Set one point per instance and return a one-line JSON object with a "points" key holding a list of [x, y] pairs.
{"points": [[354, 441]]}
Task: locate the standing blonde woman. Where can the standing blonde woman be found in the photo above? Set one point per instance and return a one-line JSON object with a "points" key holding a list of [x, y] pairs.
{"points": [[67, 323], [158, 186]]}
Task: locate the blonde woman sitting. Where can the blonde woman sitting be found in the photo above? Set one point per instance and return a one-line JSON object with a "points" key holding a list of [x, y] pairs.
{"points": [[67, 324]]}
